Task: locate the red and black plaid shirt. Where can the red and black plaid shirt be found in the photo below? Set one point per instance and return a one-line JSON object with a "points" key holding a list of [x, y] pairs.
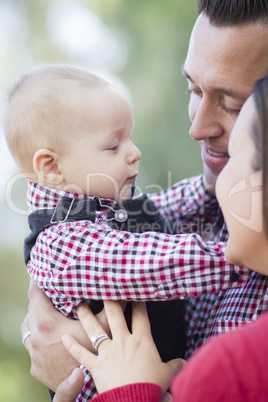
{"points": [[79, 260], [84, 260], [212, 313]]}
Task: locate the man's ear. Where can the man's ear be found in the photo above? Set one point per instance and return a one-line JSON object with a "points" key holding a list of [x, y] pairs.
{"points": [[46, 167]]}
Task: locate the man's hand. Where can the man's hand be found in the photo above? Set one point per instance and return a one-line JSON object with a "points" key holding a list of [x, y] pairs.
{"points": [[69, 389], [50, 361]]}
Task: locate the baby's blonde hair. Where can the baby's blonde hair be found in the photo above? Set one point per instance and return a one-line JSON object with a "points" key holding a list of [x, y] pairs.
{"points": [[35, 107]]}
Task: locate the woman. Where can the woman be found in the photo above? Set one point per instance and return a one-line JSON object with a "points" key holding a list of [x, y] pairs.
{"points": [[231, 367]]}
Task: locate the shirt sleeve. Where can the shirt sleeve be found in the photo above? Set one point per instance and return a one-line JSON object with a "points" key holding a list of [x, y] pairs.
{"points": [[217, 371], [72, 261]]}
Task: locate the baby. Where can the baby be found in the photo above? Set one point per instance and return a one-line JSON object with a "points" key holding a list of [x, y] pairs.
{"points": [[70, 133]]}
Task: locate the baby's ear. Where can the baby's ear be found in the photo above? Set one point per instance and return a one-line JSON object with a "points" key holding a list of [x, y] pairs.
{"points": [[46, 167]]}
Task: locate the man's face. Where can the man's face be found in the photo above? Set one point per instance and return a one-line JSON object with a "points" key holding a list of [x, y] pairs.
{"points": [[221, 67]]}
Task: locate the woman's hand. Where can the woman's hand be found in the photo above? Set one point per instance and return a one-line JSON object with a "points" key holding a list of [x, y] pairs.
{"points": [[128, 357]]}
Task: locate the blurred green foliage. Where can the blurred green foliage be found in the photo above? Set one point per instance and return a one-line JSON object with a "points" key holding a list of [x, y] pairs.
{"points": [[155, 35], [16, 383]]}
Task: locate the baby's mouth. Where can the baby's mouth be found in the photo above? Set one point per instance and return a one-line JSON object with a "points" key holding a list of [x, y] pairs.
{"points": [[132, 179]]}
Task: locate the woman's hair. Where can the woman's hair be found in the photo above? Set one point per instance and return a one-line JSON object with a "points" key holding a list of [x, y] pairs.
{"points": [[260, 135], [234, 12]]}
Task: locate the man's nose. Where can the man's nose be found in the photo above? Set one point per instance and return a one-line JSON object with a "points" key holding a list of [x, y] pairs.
{"points": [[206, 120]]}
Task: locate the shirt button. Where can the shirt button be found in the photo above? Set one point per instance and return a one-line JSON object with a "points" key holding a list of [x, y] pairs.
{"points": [[234, 276], [196, 337], [120, 215]]}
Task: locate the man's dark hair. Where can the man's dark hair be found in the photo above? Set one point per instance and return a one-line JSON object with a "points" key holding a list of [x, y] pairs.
{"points": [[234, 12]]}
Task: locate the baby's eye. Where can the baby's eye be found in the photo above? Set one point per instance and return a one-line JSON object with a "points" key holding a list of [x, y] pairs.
{"points": [[114, 148]]}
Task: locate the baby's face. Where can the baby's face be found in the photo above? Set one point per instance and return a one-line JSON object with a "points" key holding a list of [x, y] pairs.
{"points": [[99, 157]]}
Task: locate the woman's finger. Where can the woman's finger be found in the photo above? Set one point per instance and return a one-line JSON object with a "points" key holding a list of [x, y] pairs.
{"points": [[81, 354], [93, 328], [89, 322], [140, 320], [116, 318], [176, 365]]}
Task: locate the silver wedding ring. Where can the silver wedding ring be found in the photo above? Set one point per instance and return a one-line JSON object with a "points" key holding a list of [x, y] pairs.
{"points": [[25, 336], [96, 340]]}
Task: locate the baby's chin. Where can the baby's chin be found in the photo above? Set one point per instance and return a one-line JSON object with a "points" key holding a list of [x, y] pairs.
{"points": [[124, 198], [126, 194]]}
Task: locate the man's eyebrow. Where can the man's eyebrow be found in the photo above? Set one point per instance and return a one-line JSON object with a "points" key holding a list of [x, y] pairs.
{"points": [[228, 92], [233, 94], [185, 74]]}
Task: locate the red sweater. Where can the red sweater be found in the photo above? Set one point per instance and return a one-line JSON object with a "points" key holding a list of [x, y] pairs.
{"points": [[231, 367]]}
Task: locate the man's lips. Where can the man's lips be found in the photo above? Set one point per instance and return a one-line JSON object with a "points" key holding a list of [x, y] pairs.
{"points": [[214, 159], [218, 154]]}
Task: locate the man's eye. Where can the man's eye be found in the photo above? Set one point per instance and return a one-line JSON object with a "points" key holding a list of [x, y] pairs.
{"points": [[230, 105], [193, 92], [231, 110]]}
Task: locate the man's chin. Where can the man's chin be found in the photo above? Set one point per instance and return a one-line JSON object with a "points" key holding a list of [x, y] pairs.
{"points": [[209, 180]]}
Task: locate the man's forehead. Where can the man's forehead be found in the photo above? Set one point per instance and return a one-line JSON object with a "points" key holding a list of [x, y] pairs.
{"points": [[243, 37], [231, 59]]}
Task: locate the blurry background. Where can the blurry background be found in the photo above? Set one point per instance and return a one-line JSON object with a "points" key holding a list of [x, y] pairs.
{"points": [[139, 45]]}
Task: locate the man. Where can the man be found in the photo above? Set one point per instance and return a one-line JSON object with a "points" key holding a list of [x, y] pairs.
{"points": [[228, 53]]}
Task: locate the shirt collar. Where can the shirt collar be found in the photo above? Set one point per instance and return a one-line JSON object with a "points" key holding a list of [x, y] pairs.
{"points": [[41, 197]]}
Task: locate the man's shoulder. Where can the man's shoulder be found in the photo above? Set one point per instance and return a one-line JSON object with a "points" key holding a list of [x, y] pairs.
{"points": [[190, 185], [190, 191]]}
